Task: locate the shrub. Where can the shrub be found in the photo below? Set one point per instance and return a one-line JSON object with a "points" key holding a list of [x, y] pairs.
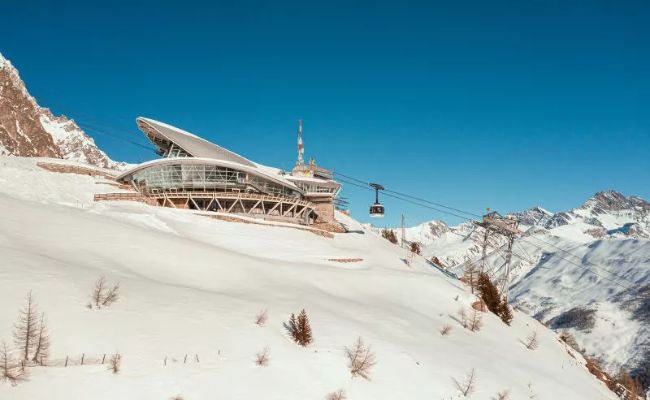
{"points": [[262, 357], [444, 331], [468, 385], [475, 322], [261, 318], [115, 363], [300, 329], [503, 395], [103, 295], [415, 248], [338, 395], [361, 359], [389, 235], [462, 315], [568, 338], [531, 341]]}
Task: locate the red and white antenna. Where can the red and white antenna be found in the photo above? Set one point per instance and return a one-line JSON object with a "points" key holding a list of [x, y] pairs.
{"points": [[301, 148]]}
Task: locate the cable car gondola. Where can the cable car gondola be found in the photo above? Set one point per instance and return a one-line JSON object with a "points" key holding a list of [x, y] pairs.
{"points": [[377, 209]]}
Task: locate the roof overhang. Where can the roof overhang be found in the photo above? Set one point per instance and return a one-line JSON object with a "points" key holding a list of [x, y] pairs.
{"points": [[159, 132]]}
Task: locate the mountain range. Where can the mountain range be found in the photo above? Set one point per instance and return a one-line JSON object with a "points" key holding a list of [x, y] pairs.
{"points": [[585, 271], [27, 129]]}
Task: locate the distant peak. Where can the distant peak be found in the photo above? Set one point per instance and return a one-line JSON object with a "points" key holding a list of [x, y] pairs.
{"points": [[612, 200]]}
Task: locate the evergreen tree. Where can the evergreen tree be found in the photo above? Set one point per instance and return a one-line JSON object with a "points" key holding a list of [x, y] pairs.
{"points": [[489, 293], [300, 329], [304, 329], [505, 312], [293, 328]]}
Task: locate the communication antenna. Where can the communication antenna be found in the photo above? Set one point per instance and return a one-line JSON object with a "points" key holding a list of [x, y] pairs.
{"points": [[301, 147]]}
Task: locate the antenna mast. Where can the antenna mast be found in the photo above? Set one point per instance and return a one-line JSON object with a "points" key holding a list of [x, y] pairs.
{"points": [[301, 147]]}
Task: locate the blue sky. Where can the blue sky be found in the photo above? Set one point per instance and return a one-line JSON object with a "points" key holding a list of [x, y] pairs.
{"points": [[474, 104]]}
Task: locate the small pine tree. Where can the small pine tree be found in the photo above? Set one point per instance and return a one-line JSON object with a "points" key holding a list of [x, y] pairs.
{"points": [[292, 327], [304, 328], [26, 329], [300, 329]]}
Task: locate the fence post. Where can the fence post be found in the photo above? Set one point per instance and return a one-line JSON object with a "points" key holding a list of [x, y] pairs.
{"points": [[165, 361], [185, 359], [66, 361], [197, 357], [22, 365], [82, 358], [103, 358]]}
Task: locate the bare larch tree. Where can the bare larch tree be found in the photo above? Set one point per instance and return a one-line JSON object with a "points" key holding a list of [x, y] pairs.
{"points": [[7, 365], [42, 348], [531, 341], [26, 330], [98, 292], [102, 295]]}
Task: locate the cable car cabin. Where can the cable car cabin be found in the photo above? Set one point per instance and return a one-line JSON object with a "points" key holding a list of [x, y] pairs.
{"points": [[376, 210]]}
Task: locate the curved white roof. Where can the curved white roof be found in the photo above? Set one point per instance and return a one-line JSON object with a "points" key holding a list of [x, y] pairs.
{"points": [[192, 144]]}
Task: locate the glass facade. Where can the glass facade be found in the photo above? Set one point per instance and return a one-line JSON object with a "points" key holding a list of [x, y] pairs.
{"points": [[308, 187], [203, 177]]}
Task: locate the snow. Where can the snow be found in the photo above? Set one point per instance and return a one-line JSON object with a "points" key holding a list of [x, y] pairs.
{"points": [[192, 285], [546, 282]]}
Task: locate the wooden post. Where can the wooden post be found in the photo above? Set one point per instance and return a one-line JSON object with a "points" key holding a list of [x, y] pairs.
{"points": [[185, 359], [103, 358], [66, 361], [197, 357], [165, 361], [83, 355]]}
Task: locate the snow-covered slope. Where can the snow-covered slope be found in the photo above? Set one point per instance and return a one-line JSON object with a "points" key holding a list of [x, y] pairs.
{"points": [[592, 260], [27, 129], [192, 285]]}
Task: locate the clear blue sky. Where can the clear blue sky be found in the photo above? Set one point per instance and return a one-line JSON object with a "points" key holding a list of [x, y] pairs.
{"points": [[501, 104]]}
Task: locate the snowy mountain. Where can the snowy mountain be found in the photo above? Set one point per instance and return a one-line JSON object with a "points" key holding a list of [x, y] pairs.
{"points": [[190, 288], [27, 129], [586, 270]]}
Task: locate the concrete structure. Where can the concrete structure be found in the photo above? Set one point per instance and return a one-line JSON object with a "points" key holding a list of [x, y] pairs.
{"points": [[194, 173]]}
